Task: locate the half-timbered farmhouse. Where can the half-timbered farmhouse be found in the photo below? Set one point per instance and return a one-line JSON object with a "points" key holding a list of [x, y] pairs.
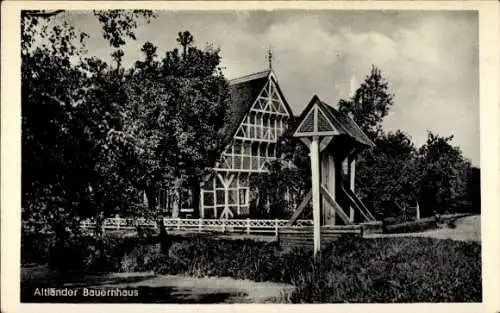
{"points": [[259, 116]]}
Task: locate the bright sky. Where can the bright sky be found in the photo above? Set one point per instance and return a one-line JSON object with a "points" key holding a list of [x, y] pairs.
{"points": [[430, 58]]}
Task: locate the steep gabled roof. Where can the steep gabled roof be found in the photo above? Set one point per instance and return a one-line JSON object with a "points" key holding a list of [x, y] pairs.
{"points": [[347, 123], [343, 123], [244, 91]]}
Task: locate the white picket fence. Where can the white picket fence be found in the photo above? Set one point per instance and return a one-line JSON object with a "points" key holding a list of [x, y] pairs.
{"points": [[245, 226]]}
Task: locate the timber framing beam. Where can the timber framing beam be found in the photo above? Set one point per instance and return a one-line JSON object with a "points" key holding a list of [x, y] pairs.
{"points": [[357, 203], [331, 201], [298, 211]]}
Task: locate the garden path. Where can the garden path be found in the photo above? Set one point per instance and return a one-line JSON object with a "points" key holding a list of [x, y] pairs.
{"points": [[467, 229]]}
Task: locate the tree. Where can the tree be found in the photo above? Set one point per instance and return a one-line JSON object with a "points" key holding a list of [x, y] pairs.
{"points": [[387, 177], [444, 176], [185, 39], [295, 181], [375, 174], [174, 119], [474, 190], [394, 175], [370, 103], [68, 109]]}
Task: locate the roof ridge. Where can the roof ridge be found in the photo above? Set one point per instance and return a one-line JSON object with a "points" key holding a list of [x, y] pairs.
{"points": [[341, 123], [344, 120], [248, 77]]}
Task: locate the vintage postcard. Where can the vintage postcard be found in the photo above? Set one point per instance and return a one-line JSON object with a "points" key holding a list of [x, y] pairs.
{"points": [[250, 153]]}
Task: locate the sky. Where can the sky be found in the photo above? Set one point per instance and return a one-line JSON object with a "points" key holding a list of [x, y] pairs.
{"points": [[429, 58]]}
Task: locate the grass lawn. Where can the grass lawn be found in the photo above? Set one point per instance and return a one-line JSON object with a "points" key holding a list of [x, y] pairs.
{"points": [[379, 270]]}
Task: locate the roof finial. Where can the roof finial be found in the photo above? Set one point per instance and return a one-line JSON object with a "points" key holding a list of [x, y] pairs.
{"points": [[270, 57]]}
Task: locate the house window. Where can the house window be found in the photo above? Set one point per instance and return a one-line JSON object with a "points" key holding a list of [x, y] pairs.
{"points": [[163, 200], [186, 200], [255, 149], [243, 196]]}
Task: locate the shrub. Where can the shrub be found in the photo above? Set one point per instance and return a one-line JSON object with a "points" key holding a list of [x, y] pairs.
{"points": [[85, 253], [349, 270], [389, 221], [408, 227], [353, 270], [35, 247]]}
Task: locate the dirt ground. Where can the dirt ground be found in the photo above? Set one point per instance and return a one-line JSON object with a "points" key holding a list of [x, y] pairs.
{"points": [[169, 288], [467, 229], [240, 291]]}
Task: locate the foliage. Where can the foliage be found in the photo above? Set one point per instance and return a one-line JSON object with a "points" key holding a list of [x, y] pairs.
{"points": [[271, 189], [444, 174], [394, 177], [395, 270], [370, 103], [96, 136], [474, 190], [69, 105], [278, 192], [117, 25], [412, 226], [351, 270], [376, 270], [387, 177], [174, 116]]}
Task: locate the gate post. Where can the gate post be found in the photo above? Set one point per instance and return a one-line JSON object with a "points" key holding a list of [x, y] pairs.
{"points": [[276, 228]]}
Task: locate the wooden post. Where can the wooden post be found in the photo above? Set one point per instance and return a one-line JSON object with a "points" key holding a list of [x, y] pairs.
{"points": [[276, 228], [328, 180], [324, 172], [248, 226], [200, 224], [316, 196], [226, 200], [332, 182], [202, 204], [177, 203], [352, 176]]}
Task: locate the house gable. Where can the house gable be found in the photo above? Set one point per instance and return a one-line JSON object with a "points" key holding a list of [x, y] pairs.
{"points": [[262, 120], [315, 122], [321, 119]]}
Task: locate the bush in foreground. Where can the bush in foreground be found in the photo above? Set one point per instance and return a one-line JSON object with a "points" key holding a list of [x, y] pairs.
{"points": [[379, 270], [375, 270]]}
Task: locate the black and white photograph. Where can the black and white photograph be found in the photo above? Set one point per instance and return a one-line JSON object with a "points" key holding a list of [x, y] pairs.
{"points": [[245, 156]]}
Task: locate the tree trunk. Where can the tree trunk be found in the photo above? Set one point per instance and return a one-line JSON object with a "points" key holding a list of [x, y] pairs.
{"points": [[98, 230], [165, 241]]}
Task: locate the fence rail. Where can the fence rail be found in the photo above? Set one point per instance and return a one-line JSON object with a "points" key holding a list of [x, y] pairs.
{"points": [[245, 226]]}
